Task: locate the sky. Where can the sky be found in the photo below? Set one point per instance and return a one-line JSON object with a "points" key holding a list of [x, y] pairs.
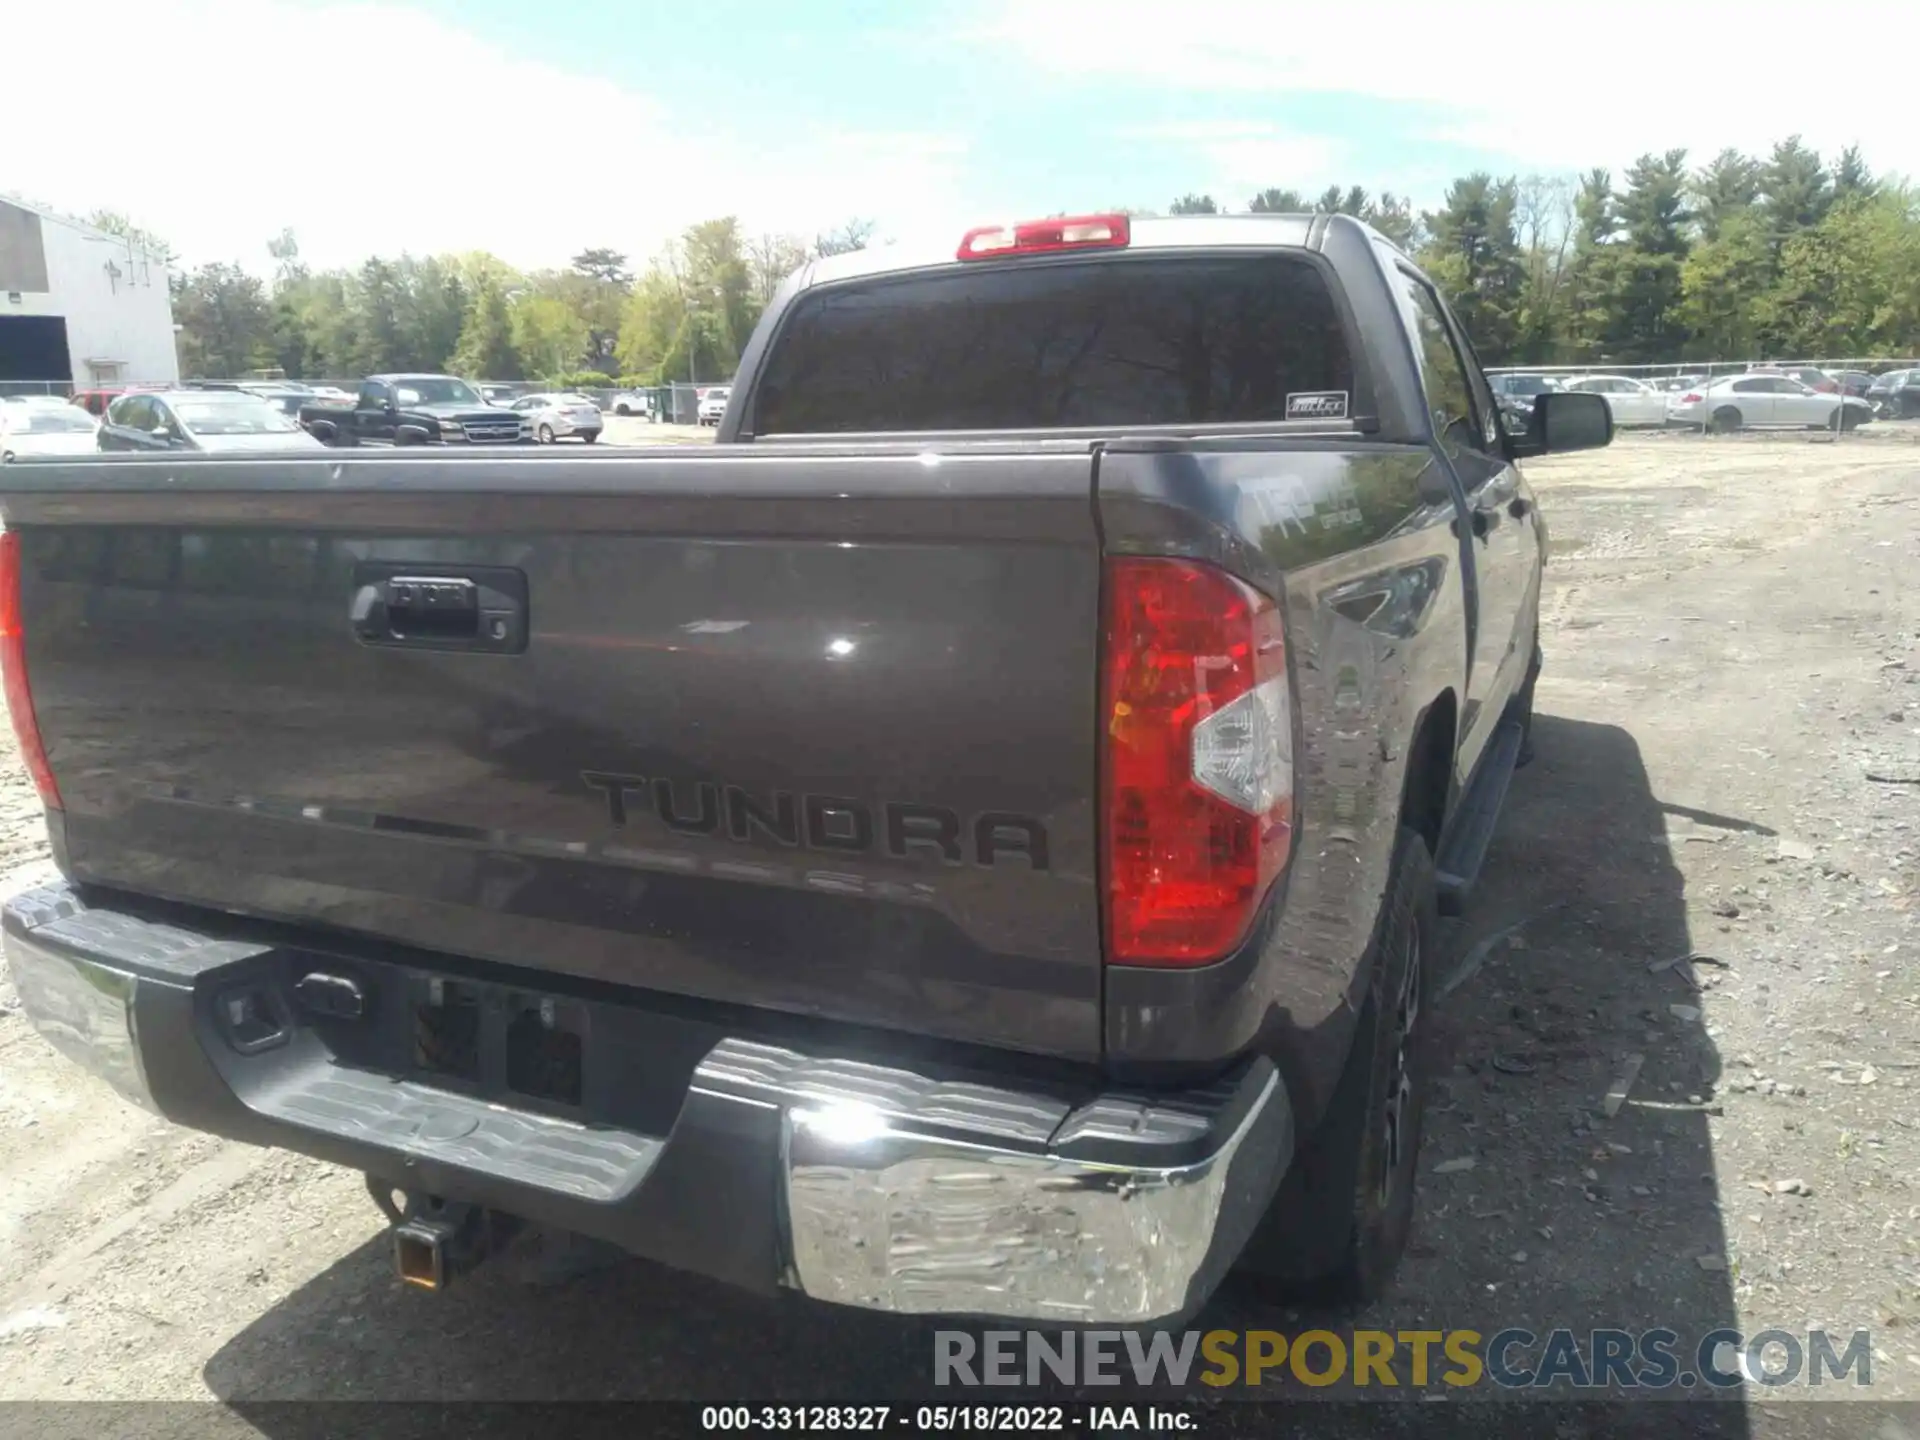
{"points": [[537, 130]]}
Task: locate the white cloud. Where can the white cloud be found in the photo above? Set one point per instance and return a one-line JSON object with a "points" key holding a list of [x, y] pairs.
{"points": [[214, 123], [1552, 86]]}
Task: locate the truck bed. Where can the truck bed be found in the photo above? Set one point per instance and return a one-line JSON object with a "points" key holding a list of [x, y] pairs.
{"points": [[802, 729]]}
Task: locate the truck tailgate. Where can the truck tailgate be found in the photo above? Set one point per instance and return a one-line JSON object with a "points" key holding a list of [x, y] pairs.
{"points": [[791, 728]]}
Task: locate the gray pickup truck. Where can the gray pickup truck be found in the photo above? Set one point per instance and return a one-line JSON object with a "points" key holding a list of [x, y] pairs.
{"points": [[965, 843]]}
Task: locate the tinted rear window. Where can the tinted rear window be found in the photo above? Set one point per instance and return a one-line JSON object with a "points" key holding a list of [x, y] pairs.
{"points": [[1115, 342]]}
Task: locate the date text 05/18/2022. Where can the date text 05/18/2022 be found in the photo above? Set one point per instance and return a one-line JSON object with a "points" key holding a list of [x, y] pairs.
{"points": [[959, 1419]]}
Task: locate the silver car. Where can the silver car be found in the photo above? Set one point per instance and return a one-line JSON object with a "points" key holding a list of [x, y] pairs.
{"points": [[557, 416], [38, 427], [210, 421]]}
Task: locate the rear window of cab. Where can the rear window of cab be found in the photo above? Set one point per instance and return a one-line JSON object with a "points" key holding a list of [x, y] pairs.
{"points": [[1133, 341]]}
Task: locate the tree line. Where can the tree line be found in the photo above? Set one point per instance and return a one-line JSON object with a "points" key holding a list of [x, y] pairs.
{"points": [[1786, 255], [592, 323]]}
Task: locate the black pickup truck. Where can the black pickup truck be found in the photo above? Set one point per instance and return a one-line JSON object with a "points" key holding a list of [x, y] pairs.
{"points": [[965, 843], [414, 410]]}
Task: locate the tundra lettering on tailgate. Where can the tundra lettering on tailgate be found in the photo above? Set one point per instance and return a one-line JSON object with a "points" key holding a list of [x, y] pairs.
{"points": [[822, 822]]}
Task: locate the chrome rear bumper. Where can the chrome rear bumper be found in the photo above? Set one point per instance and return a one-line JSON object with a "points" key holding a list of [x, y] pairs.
{"points": [[857, 1183]]}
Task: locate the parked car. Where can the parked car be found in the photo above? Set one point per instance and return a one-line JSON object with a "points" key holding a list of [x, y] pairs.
{"points": [[558, 416], [95, 402], [1812, 377], [1852, 382], [1765, 399], [1674, 384], [210, 421], [632, 402], [987, 918], [1514, 393], [287, 402], [414, 410], [498, 394], [1633, 402], [1896, 394], [331, 395], [37, 427], [713, 405]]}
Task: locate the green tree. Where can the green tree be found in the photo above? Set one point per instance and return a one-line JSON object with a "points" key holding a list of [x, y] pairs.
{"points": [[595, 287], [226, 322], [1796, 190], [486, 350], [1644, 323], [1267, 202], [548, 335], [1392, 215], [653, 329], [1729, 185], [1194, 205], [1591, 279], [1717, 288], [1851, 177], [432, 312], [1474, 255]]}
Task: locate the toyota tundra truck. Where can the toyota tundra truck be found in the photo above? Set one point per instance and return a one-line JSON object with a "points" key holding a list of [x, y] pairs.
{"points": [[966, 843]]}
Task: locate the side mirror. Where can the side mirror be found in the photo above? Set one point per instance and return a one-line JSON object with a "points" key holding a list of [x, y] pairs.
{"points": [[1565, 420]]}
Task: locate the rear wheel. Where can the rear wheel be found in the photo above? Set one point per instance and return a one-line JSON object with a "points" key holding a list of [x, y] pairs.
{"points": [[544, 434], [622, 410], [590, 436], [1726, 420], [1342, 1217]]}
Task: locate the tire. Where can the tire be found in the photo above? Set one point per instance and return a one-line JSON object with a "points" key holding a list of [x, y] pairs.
{"points": [[1341, 1220], [622, 410], [1726, 420], [1844, 418], [589, 436], [544, 435]]}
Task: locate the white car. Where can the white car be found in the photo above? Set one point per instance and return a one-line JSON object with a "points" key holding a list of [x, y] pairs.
{"points": [[713, 405], [557, 416], [1738, 402], [1633, 402], [632, 402], [35, 428]]}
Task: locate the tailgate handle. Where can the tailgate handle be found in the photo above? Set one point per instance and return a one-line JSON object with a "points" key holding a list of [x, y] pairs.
{"points": [[474, 610]]}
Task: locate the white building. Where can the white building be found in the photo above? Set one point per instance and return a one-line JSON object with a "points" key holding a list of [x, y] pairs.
{"points": [[79, 307]]}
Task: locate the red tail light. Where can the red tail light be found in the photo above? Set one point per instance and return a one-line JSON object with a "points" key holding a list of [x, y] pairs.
{"points": [[1040, 237], [1692, 397], [13, 667], [1197, 795]]}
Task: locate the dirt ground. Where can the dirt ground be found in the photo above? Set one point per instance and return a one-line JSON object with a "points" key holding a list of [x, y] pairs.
{"points": [[1728, 768]]}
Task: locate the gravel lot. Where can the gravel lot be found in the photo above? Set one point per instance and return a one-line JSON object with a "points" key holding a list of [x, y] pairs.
{"points": [[1728, 767]]}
